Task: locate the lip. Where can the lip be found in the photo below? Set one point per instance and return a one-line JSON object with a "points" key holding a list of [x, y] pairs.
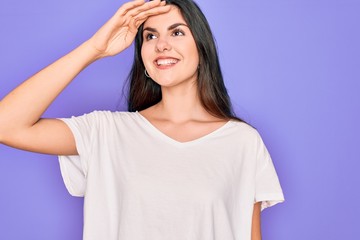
{"points": [[172, 62]]}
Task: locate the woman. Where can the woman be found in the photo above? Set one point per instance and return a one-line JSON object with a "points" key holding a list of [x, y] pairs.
{"points": [[179, 165]]}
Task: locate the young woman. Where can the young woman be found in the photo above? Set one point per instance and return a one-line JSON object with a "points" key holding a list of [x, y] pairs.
{"points": [[179, 164]]}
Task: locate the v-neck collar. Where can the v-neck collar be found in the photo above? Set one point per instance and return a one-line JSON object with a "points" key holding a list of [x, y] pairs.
{"points": [[172, 141]]}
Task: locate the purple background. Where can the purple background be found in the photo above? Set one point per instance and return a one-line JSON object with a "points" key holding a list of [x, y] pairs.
{"points": [[292, 69]]}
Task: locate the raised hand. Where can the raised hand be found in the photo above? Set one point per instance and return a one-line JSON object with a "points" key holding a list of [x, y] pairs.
{"points": [[118, 33], [21, 125]]}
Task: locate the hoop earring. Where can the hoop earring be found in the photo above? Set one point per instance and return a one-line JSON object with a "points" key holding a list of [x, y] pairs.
{"points": [[146, 74]]}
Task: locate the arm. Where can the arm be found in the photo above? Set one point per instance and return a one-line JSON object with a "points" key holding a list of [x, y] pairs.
{"points": [[256, 223], [20, 111], [21, 125]]}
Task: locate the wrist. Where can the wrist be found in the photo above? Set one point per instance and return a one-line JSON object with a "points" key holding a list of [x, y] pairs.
{"points": [[90, 51]]}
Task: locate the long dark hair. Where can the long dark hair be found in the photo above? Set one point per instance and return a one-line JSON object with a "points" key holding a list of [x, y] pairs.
{"points": [[144, 92]]}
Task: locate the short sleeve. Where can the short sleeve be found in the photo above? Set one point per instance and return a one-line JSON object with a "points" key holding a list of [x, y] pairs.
{"points": [[267, 186], [74, 168]]}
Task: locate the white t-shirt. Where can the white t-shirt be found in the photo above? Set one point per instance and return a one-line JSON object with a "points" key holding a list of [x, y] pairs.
{"points": [[140, 184]]}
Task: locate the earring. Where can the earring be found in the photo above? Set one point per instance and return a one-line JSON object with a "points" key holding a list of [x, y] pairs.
{"points": [[146, 74]]}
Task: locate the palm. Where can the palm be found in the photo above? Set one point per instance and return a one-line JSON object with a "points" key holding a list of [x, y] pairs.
{"points": [[121, 40], [110, 41], [119, 32]]}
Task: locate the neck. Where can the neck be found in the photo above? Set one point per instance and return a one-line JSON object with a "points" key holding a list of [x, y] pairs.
{"points": [[180, 105]]}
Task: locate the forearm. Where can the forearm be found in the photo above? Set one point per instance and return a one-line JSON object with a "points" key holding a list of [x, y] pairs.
{"points": [[24, 106], [256, 222]]}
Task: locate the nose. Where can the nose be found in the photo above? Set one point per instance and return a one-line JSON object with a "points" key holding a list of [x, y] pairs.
{"points": [[162, 45]]}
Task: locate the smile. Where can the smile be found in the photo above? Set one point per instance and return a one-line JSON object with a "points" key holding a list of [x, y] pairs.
{"points": [[166, 61]]}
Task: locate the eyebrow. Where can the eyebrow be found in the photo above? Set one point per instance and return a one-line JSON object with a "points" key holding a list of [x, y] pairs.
{"points": [[171, 27]]}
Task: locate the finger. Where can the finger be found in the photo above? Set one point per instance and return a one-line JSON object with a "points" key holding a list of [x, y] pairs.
{"points": [[143, 16], [128, 6], [150, 9], [139, 14], [133, 8]]}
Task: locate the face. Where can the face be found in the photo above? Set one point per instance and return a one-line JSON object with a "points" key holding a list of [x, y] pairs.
{"points": [[169, 50]]}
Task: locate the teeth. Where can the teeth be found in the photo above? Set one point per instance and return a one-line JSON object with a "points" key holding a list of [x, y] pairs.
{"points": [[166, 61]]}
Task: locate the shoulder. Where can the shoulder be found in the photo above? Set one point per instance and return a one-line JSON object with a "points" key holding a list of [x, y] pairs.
{"points": [[243, 129], [101, 118], [103, 115], [243, 134]]}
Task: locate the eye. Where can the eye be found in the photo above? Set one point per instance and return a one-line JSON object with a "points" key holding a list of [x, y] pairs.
{"points": [[149, 36], [178, 32]]}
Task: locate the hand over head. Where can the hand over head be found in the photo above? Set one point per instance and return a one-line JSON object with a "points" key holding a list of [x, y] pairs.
{"points": [[119, 32]]}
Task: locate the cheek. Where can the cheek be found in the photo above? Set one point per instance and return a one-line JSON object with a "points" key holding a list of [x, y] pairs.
{"points": [[193, 51], [194, 55]]}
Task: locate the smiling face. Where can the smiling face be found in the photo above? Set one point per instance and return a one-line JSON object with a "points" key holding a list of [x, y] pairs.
{"points": [[169, 50]]}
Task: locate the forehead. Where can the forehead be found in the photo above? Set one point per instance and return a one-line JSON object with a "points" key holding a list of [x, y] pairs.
{"points": [[165, 19]]}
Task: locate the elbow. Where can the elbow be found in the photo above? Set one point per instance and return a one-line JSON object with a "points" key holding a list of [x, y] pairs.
{"points": [[2, 139], [2, 136], [3, 126], [2, 132], [5, 133], [8, 138], [7, 130]]}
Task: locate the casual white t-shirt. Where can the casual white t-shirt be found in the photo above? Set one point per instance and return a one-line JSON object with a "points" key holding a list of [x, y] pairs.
{"points": [[140, 184]]}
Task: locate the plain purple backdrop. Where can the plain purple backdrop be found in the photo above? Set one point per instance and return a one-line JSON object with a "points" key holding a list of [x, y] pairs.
{"points": [[292, 69]]}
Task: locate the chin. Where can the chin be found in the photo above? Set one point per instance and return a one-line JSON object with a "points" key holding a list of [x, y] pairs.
{"points": [[165, 82], [169, 81]]}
